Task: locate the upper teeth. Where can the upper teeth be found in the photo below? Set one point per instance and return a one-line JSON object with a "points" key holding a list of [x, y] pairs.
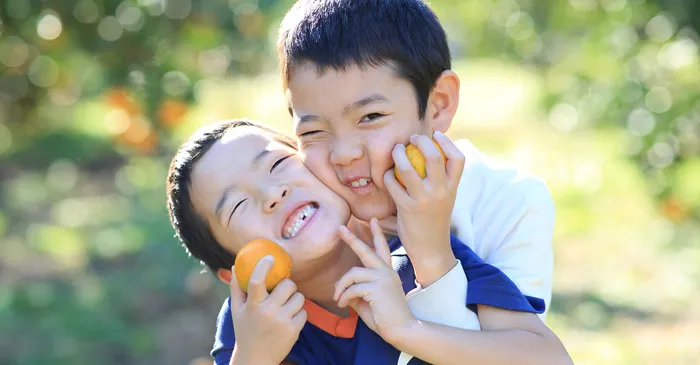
{"points": [[360, 182], [298, 220]]}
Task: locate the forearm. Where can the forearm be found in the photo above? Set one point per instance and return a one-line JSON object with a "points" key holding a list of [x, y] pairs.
{"points": [[239, 357], [444, 345]]}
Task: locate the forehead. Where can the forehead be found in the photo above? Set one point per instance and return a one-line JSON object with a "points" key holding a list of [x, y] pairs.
{"points": [[308, 77], [230, 159]]}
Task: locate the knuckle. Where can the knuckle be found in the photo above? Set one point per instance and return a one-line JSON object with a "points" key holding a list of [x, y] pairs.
{"points": [[288, 285], [433, 157], [255, 281]]}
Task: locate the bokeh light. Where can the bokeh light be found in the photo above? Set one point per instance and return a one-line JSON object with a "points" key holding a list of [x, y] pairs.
{"points": [[49, 26], [601, 98], [110, 29], [43, 71], [13, 51]]}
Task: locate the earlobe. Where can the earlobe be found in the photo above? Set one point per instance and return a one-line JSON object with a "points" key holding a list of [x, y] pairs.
{"points": [[444, 100], [224, 275]]}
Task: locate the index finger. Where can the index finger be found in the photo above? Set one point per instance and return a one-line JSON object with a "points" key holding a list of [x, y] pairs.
{"points": [[381, 246], [368, 258]]}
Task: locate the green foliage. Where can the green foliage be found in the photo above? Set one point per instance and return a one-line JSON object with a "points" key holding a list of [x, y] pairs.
{"points": [[600, 97]]}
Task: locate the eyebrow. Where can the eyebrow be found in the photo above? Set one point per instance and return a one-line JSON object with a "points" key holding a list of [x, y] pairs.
{"points": [[224, 196], [374, 98]]}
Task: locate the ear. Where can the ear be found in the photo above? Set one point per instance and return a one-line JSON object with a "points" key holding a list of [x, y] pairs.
{"points": [[224, 275], [443, 101]]}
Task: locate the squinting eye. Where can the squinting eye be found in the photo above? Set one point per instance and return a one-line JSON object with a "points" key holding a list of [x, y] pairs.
{"points": [[307, 134], [370, 117]]}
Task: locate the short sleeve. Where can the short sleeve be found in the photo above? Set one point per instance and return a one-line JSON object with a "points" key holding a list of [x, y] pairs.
{"points": [[225, 339], [490, 286]]}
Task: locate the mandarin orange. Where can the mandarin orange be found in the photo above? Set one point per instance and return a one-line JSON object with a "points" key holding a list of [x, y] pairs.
{"points": [[254, 251], [417, 160]]}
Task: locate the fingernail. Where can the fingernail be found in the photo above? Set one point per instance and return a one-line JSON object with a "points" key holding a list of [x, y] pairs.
{"points": [[438, 134], [413, 137], [269, 258]]}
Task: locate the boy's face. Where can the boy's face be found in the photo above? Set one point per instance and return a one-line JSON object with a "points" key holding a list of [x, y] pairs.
{"points": [[265, 191], [347, 123]]}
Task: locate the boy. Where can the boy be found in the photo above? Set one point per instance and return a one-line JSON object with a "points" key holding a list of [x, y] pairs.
{"points": [[268, 182], [363, 76]]}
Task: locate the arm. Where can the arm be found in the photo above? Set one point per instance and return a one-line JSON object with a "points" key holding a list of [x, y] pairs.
{"points": [[507, 337], [511, 332]]}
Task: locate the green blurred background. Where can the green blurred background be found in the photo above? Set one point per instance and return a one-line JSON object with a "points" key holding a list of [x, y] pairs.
{"points": [[599, 97]]}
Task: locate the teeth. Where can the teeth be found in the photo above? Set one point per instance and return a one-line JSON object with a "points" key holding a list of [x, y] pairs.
{"points": [[299, 219], [360, 183]]}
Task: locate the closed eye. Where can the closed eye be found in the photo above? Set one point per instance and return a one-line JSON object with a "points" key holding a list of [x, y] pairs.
{"points": [[234, 209], [279, 162]]}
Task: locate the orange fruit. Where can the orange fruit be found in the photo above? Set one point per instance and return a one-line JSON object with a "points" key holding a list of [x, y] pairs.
{"points": [[254, 251], [417, 160]]}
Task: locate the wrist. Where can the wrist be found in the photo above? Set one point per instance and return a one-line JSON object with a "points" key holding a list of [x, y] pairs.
{"points": [[240, 357], [406, 338], [430, 267]]}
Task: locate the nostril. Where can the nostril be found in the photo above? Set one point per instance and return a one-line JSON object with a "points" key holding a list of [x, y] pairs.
{"points": [[273, 205], [284, 193]]}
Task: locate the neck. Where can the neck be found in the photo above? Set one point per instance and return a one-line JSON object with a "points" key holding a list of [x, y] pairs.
{"points": [[318, 282], [389, 225]]}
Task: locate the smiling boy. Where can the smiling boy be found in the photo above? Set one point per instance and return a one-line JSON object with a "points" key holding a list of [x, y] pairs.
{"points": [[362, 77]]}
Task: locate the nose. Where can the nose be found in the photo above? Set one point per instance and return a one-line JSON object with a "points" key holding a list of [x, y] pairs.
{"points": [[275, 196], [345, 150]]}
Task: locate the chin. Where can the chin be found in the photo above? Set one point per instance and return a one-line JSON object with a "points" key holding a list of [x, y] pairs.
{"points": [[365, 212]]}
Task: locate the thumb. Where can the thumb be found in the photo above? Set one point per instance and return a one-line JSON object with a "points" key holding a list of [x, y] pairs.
{"points": [[238, 296]]}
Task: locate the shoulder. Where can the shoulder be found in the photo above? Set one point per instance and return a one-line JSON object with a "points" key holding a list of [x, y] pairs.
{"points": [[486, 179]]}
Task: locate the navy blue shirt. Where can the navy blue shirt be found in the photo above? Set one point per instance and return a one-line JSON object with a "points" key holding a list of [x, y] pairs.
{"points": [[325, 340]]}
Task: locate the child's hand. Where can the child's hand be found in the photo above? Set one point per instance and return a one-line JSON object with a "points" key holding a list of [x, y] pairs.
{"points": [[259, 316], [374, 291], [425, 205]]}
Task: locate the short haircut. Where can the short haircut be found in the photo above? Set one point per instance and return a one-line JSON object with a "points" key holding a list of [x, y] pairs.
{"points": [[335, 34], [190, 228]]}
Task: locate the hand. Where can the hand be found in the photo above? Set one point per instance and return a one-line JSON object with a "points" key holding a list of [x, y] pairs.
{"points": [[259, 316], [374, 291], [425, 205]]}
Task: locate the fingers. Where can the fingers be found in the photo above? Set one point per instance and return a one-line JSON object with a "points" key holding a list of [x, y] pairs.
{"points": [[294, 304], [434, 163], [282, 292], [455, 159], [397, 192], [257, 292], [381, 246], [409, 175], [357, 291], [354, 276], [238, 296], [369, 259], [299, 319]]}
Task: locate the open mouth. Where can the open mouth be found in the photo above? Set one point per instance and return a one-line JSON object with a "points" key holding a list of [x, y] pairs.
{"points": [[360, 182], [361, 186], [299, 218]]}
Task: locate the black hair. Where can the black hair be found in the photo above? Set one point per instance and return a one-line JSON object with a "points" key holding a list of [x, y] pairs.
{"points": [[190, 228], [403, 34]]}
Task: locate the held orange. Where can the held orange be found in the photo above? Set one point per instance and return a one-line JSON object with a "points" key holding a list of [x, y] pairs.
{"points": [[417, 160], [254, 251]]}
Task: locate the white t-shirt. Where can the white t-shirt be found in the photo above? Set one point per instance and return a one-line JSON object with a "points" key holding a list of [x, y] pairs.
{"points": [[506, 216]]}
